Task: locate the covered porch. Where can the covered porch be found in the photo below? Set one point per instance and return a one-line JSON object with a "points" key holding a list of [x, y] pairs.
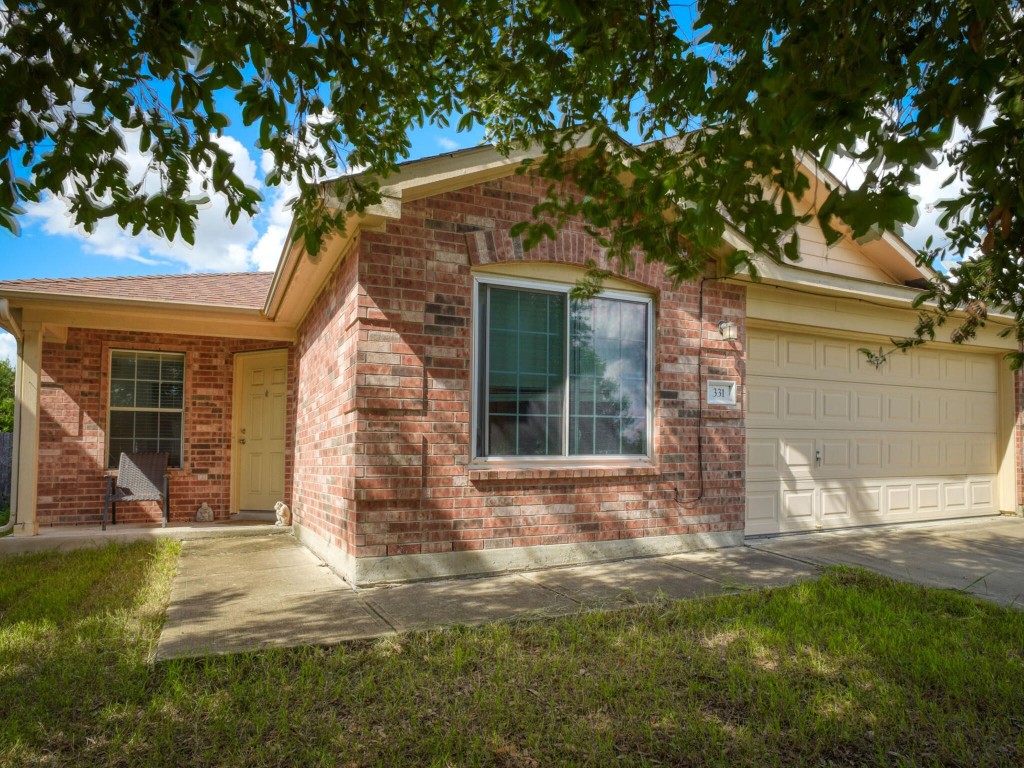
{"points": [[183, 364]]}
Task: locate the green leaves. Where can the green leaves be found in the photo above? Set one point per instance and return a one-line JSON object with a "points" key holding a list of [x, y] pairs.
{"points": [[333, 86]]}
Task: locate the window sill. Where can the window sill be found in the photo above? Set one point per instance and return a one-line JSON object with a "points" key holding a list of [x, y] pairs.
{"points": [[481, 472]]}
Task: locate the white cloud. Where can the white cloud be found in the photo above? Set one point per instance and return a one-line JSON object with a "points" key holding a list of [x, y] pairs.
{"points": [[8, 347], [928, 191], [220, 245], [267, 251], [447, 144]]}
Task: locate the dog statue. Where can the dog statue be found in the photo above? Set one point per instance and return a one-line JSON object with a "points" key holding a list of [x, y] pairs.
{"points": [[284, 515]]}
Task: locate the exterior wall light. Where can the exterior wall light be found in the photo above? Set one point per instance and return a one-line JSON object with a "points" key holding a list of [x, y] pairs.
{"points": [[729, 330]]}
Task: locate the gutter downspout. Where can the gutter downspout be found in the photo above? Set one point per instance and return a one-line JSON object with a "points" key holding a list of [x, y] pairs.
{"points": [[7, 321]]}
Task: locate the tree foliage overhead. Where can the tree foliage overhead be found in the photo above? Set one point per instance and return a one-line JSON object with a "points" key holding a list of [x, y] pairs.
{"points": [[748, 85]]}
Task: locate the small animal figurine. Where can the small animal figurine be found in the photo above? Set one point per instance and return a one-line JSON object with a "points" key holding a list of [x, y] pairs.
{"points": [[204, 514], [284, 515]]}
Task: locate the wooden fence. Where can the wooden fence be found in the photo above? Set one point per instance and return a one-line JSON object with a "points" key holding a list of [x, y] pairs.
{"points": [[6, 453]]}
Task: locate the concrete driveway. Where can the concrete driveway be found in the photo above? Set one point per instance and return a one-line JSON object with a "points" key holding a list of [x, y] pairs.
{"points": [[984, 556]]}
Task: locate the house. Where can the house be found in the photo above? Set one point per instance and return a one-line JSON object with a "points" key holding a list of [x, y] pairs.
{"points": [[430, 402]]}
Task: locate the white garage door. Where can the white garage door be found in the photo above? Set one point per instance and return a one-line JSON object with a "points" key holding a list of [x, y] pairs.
{"points": [[834, 441]]}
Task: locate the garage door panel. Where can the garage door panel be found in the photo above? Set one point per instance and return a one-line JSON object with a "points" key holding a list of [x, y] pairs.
{"points": [[763, 455], [868, 500], [954, 370], [869, 408], [982, 374], [899, 499], [763, 402], [798, 454], [929, 456], [834, 441], [956, 453], [901, 455], [982, 493], [798, 505], [982, 416], [835, 455], [804, 504], [899, 368], [791, 355], [856, 406], [795, 453], [835, 358], [954, 497], [835, 403], [763, 510], [799, 354], [867, 453], [928, 366], [899, 409], [926, 499], [763, 350], [800, 404]]}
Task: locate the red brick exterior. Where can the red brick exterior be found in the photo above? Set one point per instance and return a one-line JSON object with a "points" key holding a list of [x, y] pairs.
{"points": [[72, 439], [325, 430], [383, 455]]}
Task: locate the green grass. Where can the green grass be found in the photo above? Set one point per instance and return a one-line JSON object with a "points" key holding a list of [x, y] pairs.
{"points": [[5, 515], [851, 669]]}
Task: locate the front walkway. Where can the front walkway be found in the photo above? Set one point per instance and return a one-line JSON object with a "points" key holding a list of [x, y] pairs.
{"points": [[268, 591], [235, 595]]}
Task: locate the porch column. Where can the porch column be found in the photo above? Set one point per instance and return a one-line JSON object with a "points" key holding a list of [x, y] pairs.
{"points": [[26, 448]]}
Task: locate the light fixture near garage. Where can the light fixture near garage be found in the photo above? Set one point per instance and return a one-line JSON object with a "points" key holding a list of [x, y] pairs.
{"points": [[729, 330]]}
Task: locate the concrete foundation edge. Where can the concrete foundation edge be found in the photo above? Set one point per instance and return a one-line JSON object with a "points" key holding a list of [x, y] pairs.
{"points": [[365, 571], [337, 559]]}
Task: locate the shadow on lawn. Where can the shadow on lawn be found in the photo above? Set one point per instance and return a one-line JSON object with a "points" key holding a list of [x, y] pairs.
{"points": [[75, 629], [848, 669]]}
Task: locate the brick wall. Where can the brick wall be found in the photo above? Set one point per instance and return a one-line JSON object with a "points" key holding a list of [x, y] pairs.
{"points": [[325, 428], [72, 439], [396, 430]]}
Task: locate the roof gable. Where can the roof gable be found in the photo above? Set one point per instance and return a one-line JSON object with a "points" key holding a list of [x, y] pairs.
{"points": [[881, 257]]}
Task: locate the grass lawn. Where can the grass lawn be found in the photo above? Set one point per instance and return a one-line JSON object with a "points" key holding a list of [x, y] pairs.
{"points": [[851, 669]]}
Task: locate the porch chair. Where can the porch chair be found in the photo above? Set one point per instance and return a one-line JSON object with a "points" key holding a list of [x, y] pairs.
{"points": [[140, 477]]}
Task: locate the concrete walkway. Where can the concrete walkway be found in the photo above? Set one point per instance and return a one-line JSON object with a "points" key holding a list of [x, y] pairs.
{"points": [[984, 557], [258, 592], [246, 594]]}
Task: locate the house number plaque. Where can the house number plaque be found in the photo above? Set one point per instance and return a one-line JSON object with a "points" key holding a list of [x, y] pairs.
{"points": [[721, 393]]}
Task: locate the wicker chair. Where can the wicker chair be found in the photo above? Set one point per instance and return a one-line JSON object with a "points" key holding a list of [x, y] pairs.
{"points": [[140, 477]]}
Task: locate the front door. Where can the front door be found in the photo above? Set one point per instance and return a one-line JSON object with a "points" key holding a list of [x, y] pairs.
{"points": [[261, 428]]}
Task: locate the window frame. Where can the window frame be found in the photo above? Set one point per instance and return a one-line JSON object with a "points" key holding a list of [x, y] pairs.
{"points": [[480, 364], [111, 408]]}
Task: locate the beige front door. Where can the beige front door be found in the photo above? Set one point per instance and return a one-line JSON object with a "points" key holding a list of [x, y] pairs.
{"points": [[260, 441]]}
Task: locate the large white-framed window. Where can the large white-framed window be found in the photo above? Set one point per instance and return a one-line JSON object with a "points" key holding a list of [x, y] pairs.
{"points": [[147, 404], [560, 379]]}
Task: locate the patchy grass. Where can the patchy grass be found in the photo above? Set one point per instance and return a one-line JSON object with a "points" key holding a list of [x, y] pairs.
{"points": [[849, 669]]}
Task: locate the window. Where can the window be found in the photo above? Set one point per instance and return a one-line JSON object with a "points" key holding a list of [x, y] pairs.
{"points": [[147, 396], [557, 377]]}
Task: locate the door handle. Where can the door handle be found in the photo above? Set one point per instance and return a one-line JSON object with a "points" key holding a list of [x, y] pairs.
{"points": [[241, 440]]}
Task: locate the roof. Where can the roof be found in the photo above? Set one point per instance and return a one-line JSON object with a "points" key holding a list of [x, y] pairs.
{"points": [[241, 290]]}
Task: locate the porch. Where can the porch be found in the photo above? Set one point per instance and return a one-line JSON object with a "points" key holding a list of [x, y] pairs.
{"points": [[65, 537]]}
